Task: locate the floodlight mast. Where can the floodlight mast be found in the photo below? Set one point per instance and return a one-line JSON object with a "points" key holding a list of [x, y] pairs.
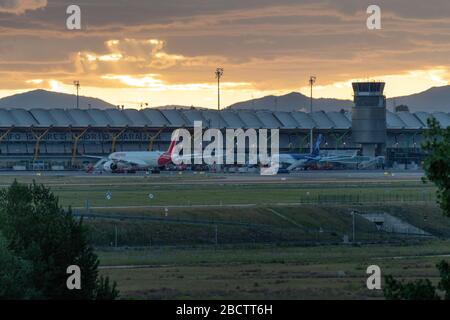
{"points": [[76, 83], [219, 74], [312, 81]]}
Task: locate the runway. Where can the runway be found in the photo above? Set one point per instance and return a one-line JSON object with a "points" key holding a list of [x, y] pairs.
{"points": [[77, 178]]}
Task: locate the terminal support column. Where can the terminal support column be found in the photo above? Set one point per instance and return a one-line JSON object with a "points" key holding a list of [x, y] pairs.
{"points": [[76, 140], [38, 138], [303, 141], [5, 134], [153, 138], [339, 138], [115, 137]]}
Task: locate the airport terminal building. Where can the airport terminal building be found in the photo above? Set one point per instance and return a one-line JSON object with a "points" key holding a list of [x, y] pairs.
{"points": [[58, 139]]}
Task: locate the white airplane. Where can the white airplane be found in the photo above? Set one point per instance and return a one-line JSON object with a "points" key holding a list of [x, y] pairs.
{"points": [[135, 160]]}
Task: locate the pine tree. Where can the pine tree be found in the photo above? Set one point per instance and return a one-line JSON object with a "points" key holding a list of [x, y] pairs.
{"points": [[39, 231]]}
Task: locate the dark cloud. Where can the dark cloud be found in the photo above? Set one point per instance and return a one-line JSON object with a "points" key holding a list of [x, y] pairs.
{"points": [[265, 42], [21, 6]]}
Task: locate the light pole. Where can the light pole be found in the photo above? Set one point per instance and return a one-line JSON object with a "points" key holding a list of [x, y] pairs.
{"points": [[115, 236], [76, 83], [219, 74], [312, 81], [353, 227]]}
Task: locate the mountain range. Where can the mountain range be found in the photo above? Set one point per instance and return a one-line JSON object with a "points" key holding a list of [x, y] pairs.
{"points": [[432, 100], [293, 101], [51, 100]]}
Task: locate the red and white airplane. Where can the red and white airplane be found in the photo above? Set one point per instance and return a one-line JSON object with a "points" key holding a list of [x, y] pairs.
{"points": [[135, 160]]}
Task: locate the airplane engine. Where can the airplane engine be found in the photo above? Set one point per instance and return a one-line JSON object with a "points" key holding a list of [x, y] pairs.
{"points": [[110, 166]]}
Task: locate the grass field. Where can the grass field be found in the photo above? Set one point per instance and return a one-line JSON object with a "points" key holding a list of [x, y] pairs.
{"points": [[266, 272], [244, 240], [173, 190], [298, 224]]}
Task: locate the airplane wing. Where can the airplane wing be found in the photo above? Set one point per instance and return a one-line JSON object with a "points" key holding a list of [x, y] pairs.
{"points": [[337, 159], [132, 161], [99, 164], [361, 161], [297, 164], [341, 157], [191, 158], [93, 157]]}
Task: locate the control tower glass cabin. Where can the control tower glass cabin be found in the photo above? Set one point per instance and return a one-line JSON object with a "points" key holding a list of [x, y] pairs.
{"points": [[369, 117]]}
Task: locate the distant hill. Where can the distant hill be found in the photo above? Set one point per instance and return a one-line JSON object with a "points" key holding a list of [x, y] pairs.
{"points": [[431, 100], [51, 100], [292, 102]]}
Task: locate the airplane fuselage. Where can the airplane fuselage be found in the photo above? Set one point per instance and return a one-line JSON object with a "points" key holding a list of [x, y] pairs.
{"points": [[138, 158]]}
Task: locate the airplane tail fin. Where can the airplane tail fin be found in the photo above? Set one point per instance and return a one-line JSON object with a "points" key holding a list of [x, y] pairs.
{"points": [[316, 150], [171, 147], [166, 157]]}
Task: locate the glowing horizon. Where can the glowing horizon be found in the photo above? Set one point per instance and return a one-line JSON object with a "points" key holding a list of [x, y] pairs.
{"points": [[154, 93]]}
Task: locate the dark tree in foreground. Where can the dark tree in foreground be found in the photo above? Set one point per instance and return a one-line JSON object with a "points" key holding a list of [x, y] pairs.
{"points": [[437, 170], [444, 284], [416, 290], [437, 164], [419, 289], [15, 275], [43, 239]]}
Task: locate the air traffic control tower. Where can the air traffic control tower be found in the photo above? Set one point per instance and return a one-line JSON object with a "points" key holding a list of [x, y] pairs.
{"points": [[369, 117]]}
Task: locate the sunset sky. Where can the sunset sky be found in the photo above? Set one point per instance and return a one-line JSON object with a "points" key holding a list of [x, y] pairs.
{"points": [[165, 52]]}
